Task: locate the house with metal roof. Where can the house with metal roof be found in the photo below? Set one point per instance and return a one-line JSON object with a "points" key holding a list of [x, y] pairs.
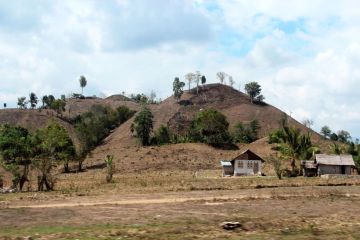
{"points": [[334, 164], [247, 163]]}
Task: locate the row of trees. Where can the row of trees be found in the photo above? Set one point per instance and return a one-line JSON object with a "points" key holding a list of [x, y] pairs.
{"points": [[341, 135], [48, 102], [209, 126]]}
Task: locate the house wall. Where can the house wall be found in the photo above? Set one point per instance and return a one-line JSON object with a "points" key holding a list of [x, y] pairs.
{"points": [[228, 170], [248, 167], [332, 169]]}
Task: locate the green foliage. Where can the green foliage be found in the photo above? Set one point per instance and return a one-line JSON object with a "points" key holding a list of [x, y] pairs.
{"points": [[33, 100], [52, 146], [334, 137], [253, 89], [293, 145], [325, 131], [162, 135], [246, 133], [143, 125], [93, 126], [22, 103], [178, 88], [276, 163], [203, 80], [15, 151], [210, 126], [58, 105], [110, 167]]}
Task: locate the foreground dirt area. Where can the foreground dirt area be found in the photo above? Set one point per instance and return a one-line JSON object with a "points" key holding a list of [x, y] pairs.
{"points": [[314, 212]]}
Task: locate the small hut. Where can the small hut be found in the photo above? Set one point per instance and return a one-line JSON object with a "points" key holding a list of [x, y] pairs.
{"points": [[334, 164], [247, 163]]}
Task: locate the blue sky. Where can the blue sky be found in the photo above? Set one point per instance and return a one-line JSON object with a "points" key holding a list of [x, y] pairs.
{"points": [[304, 54]]}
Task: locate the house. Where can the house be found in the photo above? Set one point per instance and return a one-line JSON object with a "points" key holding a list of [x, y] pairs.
{"points": [[247, 163], [328, 164], [334, 164]]}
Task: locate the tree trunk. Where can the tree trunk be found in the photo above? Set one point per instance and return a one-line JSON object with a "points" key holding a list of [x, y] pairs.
{"points": [[66, 167]]}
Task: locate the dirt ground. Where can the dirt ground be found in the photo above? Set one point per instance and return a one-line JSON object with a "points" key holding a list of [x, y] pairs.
{"points": [[318, 212]]}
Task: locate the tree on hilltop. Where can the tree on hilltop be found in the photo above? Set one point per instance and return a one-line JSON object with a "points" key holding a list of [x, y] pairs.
{"points": [[33, 100], [178, 88], [83, 83], [253, 89], [221, 76]]}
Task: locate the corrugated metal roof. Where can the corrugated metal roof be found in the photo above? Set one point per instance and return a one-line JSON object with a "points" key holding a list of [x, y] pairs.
{"points": [[340, 160], [225, 163]]}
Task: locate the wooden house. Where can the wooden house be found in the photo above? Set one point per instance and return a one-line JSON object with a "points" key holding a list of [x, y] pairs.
{"points": [[247, 163], [334, 164], [328, 164]]}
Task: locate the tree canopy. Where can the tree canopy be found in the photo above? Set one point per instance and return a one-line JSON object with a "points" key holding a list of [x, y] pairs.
{"points": [[253, 89], [143, 125]]}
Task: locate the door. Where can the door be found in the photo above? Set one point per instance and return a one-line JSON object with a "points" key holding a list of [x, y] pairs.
{"points": [[256, 167], [343, 170]]}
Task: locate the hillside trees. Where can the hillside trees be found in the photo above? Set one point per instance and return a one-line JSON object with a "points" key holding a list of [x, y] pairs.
{"points": [[325, 131], [33, 100], [210, 126], [178, 88], [253, 89], [83, 82], [143, 125], [203, 79], [22, 103], [246, 133], [93, 126]]}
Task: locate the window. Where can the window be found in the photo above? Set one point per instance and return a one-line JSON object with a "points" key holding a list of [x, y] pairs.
{"points": [[240, 164], [249, 164]]}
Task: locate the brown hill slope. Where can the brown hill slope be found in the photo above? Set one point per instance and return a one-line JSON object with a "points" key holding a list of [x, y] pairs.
{"points": [[178, 115]]}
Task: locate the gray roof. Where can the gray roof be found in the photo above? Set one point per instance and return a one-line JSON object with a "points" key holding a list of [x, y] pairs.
{"points": [[340, 160], [226, 163]]}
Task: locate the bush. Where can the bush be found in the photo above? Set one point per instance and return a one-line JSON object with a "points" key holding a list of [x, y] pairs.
{"points": [[210, 126], [162, 135], [246, 133]]}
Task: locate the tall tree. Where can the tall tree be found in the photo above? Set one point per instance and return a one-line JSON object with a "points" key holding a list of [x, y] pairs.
{"points": [[22, 103], [5, 105], [197, 79], [190, 77], [33, 100], [144, 125], [343, 136], [83, 83], [178, 88], [325, 131], [253, 89], [221, 76], [308, 123]]}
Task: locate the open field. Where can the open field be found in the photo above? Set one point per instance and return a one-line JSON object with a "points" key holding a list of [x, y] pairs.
{"points": [[185, 205]]}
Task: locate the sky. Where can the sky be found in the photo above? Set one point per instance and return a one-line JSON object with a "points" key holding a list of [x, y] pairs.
{"points": [[305, 54]]}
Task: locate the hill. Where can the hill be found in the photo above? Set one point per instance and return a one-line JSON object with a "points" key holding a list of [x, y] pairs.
{"points": [[178, 115]]}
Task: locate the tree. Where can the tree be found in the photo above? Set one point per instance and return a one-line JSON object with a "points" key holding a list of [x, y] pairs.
{"points": [[308, 123], [83, 83], [325, 131], [15, 151], [203, 80], [52, 146], [152, 97], [178, 88], [343, 136], [5, 105], [334, 137], [44, 100], [22, 103], [246, 133], [144, 125], [231, 81], [58, 105], [211, 127], [190, 77], [110, 168], [221, 76], [33, 100], [197, 78], [253, 89]]}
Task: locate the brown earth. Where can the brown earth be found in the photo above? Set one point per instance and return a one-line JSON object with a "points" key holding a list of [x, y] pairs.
{"points": [[283, 213]]}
